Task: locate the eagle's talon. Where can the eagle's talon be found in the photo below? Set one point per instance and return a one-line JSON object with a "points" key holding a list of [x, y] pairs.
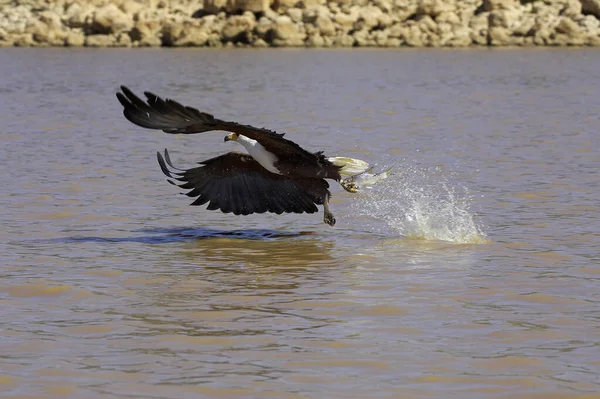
{"points": [[349, 186], [329, 219]]}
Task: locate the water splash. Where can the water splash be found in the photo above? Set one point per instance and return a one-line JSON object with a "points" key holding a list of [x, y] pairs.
{"points": [[420, 203]]}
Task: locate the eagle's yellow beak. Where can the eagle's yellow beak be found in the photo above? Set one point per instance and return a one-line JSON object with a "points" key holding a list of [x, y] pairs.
{"points": [[230, 137]]}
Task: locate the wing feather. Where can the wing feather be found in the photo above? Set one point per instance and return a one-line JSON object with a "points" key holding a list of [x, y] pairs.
{"points": [[236, 183], [172, 117]]}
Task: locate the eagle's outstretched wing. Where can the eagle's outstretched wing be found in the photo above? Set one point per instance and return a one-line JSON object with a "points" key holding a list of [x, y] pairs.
{"points": [[235, 182], [172, 117]]}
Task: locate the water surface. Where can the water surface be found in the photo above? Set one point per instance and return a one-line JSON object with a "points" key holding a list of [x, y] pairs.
{"points": [[473, 272]]}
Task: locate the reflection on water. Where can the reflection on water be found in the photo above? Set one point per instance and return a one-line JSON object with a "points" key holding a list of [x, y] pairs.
{"points": [[471, 273]]}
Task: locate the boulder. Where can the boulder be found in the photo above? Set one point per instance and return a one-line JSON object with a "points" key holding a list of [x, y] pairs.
{"points": [[235, 6], [214, 6], [344, 21], [192, 33], [282, 5], [131, 7], [315, 40], [23, 40], [100, 40], [249, 5], [295, 14], [263, 29], [343, 40], [260, 43], [492, 5], [146, 33], [47, 29], [368, 18], [284, 29], [325, 26], [110, 19], [591, 7], [76, 14], [75, 38], [238, 27], [414, 36], [433, 8]]}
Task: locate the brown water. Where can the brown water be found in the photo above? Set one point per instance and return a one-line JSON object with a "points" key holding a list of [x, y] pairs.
{"points": [[473, 272]]}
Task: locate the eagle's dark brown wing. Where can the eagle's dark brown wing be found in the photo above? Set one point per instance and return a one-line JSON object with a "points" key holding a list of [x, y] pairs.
{"points": [[172, 117], [235, 182]]}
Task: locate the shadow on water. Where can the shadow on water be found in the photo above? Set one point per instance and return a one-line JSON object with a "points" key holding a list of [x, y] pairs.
{"points": [[183, 234]]}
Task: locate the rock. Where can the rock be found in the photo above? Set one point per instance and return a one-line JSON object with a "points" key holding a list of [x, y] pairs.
{"points": [[397, 30], [568, 27], [146, 33], [462, 37], [76, 14], [195, 34], [385, 5], [264, 28], [414, 37], [110, 19], [508, 19], [314, 23], [315, 40], [591, 7], [238, 27], [75, 38], [311, 3], [427, 24], [249, 5], [260, 43], [393, 42], [433, 8], [385, 20], [130, 7], [343, 41], [171, 32], [235, 6], [295, 14], [284, 29], [492, 5], [123, 40], [47, 29], [363, 39], [499, 36], [525, 28], [572, 8], [345, 22], [100, 41], [368, 18], [309, 16], [282, 5], [214, 6], [449, 18], [23, 40], [325, 26]]}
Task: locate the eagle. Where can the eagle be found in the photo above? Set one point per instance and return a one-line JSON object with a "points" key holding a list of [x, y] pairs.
{"points": [[275, 175]]}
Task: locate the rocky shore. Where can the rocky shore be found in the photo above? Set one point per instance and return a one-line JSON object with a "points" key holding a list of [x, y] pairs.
{"points": [[299, 23]]}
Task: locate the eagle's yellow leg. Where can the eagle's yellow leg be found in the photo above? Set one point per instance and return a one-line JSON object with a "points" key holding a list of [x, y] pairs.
{"points": [[327, 215]]}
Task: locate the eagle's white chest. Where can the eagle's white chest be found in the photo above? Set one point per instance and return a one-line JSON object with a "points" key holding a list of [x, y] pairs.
{"points": [[258, 152]]}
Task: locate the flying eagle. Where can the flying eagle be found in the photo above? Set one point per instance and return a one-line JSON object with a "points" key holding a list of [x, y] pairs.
{"points": [[276, 175]]}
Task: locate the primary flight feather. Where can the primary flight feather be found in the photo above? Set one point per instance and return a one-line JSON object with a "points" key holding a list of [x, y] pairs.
{"points": [[276, 175]]}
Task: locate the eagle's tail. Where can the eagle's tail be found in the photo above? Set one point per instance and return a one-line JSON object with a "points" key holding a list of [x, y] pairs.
{"points": [[349, 166]]}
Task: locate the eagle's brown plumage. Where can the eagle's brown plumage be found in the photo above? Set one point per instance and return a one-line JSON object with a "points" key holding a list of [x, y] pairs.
{"points": [[236, 182]]}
